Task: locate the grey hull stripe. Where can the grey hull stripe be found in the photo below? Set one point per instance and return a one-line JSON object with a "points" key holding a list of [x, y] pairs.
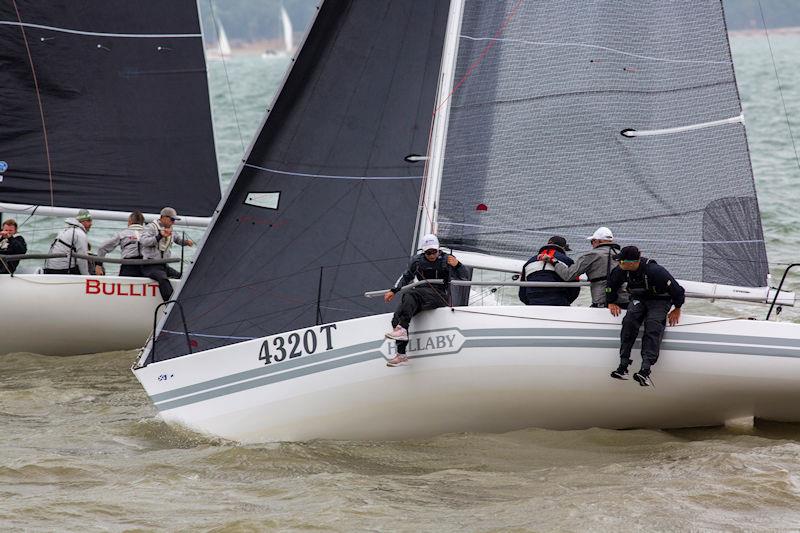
{"points": [[267, 369], [267, 380], [525, 339]]}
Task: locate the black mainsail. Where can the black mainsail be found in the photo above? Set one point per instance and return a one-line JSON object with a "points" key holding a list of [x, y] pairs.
{"points": [[325, 203], [535, 144], [104, 105]]}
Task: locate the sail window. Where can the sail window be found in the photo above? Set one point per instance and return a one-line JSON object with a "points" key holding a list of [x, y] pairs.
{"points": [[267, 200]]}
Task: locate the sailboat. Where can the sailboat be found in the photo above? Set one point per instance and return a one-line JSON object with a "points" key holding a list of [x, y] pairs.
{"points": [[105, 109], [223, 48], [288, 37], [494, 124]]}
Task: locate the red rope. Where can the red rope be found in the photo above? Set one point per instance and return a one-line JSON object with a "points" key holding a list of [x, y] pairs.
{"points": [[39, 99]]}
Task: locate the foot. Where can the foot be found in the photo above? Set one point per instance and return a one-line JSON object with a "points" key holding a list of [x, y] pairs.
{"points": [[620, 373], [642, 379], [399, 333], [398, 360]]}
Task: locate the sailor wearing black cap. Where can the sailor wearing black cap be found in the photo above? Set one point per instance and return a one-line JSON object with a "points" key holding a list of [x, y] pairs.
{"points": [[541, 267], [652, 291]]}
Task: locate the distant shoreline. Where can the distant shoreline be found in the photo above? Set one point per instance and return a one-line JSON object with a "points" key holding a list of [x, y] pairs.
{"points": [[759, 32]]}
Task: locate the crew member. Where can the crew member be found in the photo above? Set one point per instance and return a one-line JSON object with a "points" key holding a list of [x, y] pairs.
{"points": [[129, 245], [429, 265], [596, 264], [156, 241], [653, 291], [11, 243], [541, 267], [71, 240]]}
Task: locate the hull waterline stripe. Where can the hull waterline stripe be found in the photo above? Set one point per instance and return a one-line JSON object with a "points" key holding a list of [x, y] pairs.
{"points": [[266, 370], [203, 393]]}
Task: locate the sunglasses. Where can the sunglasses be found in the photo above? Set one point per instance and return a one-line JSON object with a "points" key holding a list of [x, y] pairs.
{"points": [[431, 252], [629, 261]]}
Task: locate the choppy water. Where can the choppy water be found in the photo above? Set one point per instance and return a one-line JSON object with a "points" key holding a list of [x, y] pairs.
{"points": [[81, 448]]}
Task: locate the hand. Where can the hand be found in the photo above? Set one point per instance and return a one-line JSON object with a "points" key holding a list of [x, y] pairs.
{"points": [[189, 242], [674, 316], [166, 232], [4, 234], [452, 261], [615, 309], [98, 271], [388, 296], [546, 258]]}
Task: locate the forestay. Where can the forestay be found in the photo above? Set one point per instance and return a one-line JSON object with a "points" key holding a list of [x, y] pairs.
{"points": [[543, 92], [105, 106], [324, 206]]}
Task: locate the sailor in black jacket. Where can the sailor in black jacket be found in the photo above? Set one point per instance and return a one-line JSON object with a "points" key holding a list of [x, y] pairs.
{"points": [[652, 291], [429, 265], [11, 244], [541, 267]]}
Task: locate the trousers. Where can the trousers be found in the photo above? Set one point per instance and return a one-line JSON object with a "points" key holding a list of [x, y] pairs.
{"points": [[653, 313], [412, 302]]}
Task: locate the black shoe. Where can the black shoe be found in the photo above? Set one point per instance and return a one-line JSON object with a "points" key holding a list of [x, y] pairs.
{"points": [[643, 380], [620, 373]]}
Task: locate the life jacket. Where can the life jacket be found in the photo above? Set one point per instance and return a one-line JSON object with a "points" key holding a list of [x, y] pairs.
{"points": [[641, 286]]}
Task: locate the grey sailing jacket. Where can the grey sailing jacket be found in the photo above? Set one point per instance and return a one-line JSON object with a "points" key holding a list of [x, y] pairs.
{"points": [[72, 238], [596, 264], [154, 246], [127, 240]]}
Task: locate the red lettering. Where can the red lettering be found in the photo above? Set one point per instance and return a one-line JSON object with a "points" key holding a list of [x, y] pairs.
{"points": [[119, 290], [92, 286], [153, 288], [105, 290], [133, 291]]}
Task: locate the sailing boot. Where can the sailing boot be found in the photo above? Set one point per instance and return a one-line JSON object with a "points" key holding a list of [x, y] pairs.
{"points": [[642, 377], [621, 372]]}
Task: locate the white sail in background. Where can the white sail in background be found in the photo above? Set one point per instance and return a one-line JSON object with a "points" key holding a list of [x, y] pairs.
{"points": [[224, 45], [288, 32]]}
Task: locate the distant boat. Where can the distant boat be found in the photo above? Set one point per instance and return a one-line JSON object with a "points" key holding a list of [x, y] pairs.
{"points": [[223, 48], [288, 37]]}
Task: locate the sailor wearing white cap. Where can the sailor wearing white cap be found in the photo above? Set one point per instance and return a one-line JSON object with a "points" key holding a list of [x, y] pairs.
{"points": [[430, 264], [596, 264]]}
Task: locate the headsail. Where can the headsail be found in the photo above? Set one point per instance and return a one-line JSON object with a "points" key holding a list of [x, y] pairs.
{"points": [[535, 147], [325, 204], [288, 32], [105, 106]]}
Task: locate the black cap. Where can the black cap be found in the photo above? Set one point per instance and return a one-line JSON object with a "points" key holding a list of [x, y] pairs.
{"points": [[629, 253], [558, 240]]}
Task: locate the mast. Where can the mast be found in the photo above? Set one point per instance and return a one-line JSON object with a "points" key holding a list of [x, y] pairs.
{"points": [[429, 199]]}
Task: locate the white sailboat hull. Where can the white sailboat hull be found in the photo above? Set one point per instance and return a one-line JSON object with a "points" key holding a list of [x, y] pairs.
{"points": [[485, 369], [70, 315]]}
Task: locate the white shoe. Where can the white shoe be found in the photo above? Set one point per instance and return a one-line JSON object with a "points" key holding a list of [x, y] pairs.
{"points": [[398, 360], [399, 333]]}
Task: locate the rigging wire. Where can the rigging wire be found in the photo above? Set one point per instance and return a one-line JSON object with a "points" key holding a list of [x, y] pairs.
{"points": [[780, 88], [227, 77]]}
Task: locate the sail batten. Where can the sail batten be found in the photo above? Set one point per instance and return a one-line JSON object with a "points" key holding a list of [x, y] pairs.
{"points": [[543, 135]]}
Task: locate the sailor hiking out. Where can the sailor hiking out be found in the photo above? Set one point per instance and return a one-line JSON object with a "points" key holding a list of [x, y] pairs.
{"points": [[652, 291], [596, 264], [129, 243], [429, 265], [156, 241], [73, 239], [541, 267]]}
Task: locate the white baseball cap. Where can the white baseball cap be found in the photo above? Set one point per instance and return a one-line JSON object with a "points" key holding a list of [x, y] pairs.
{"points": [[601, 234], [429, 242]]}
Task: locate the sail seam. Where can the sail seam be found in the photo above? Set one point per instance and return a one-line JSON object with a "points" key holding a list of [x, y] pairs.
{"points": [[329, 176], [96, 33], [598, 47]]}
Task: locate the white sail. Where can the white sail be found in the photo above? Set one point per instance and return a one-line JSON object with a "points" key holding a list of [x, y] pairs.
{"points": [[288, 32], [224, 45]]}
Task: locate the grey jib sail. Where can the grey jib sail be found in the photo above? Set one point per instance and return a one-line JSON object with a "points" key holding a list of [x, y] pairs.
{"points": [[104, 105], [325, 206], [543, 92]]}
